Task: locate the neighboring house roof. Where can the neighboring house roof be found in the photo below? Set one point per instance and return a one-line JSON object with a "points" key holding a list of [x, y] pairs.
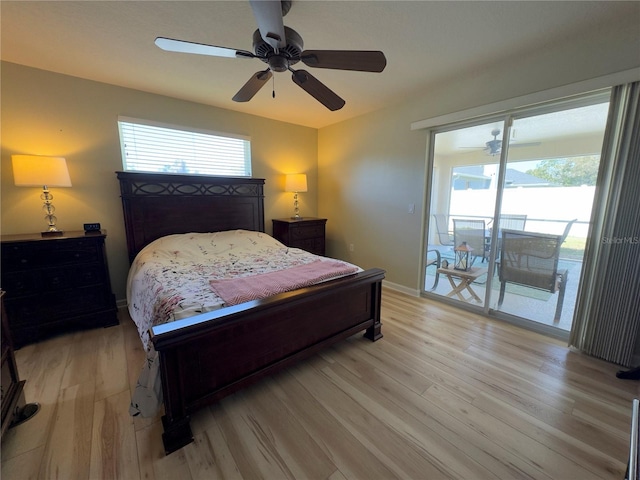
{"points": [[474, 175], [516, 178]]}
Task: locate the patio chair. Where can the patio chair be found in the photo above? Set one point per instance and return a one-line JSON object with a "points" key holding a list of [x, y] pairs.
{"points": [[473, 232], [513, 222], [433, 258], [567, 229], [531, 259], [441, 222]]}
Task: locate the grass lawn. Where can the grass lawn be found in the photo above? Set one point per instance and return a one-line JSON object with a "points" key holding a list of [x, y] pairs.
{"points": [[573, 248]]}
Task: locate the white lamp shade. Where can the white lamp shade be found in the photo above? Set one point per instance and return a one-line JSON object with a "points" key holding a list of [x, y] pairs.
{"points": [[38, 171], [296, 182]]}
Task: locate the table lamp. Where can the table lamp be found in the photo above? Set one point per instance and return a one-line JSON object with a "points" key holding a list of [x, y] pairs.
{"points": [[296, 182], [45, 172]]}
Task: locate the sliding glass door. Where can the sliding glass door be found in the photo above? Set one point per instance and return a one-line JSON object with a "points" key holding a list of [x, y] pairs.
{"points": [[519, 190], [463, 200]]}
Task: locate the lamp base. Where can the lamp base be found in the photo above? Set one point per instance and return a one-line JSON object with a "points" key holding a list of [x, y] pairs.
{"points": [[52, 233]]}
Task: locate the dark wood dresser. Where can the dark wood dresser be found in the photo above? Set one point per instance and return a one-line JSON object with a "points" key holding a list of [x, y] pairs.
{"points": [[307, 233], [55, 284]]}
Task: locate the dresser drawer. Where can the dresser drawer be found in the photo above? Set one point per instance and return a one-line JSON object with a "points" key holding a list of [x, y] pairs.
{"points": [[26, 282], [21, 256], [49, 306], [20, 283]]}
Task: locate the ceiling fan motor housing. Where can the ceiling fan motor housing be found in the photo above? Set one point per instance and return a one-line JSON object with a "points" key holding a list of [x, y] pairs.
{"points": [[285, 57]]}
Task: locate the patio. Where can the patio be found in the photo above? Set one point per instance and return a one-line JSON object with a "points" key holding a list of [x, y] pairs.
{"points": [[529, 303]]}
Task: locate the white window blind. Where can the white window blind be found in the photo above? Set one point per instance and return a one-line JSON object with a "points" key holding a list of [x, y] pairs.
{"points": [[154, 147]]}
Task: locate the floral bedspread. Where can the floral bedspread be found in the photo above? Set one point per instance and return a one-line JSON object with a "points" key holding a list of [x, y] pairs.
{"points": [[170, 279]]}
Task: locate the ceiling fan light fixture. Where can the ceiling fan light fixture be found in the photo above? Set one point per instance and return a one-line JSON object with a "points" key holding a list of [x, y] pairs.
{"points": [[278, 63], [280, 47], [493, 147]]}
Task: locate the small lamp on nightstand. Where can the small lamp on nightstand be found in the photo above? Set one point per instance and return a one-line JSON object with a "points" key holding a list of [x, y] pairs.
{"points": [[296, 182], [45, 172]]}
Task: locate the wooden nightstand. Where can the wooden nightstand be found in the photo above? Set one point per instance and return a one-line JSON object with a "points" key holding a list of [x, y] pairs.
{"points": [[55, 284], [306, 233]]}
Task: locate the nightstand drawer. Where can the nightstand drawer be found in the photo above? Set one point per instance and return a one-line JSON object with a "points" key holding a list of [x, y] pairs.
{"points": [[310, 244], [301, 232]]}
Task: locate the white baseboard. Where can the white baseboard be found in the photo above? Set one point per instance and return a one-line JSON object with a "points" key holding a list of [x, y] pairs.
{"points": [[400, 288]]}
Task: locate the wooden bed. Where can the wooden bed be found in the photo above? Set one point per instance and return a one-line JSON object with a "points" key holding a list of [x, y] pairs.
{"points": [[208, 356]]}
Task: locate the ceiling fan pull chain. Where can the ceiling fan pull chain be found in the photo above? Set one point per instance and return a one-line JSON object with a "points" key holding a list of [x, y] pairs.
{"points": [[273, 87]]}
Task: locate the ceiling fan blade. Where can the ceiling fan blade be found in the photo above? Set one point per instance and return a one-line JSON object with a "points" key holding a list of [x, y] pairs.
{"points": [[268, 15], [317, 90], [255, 83], [359, 60], [181, 46], [511, 145]]}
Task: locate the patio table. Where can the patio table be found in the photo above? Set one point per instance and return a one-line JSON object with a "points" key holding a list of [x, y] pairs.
{"points": [[465, 281]]}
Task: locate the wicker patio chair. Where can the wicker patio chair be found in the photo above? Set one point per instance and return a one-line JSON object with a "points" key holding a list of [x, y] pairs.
{"points": [[531, 259]]}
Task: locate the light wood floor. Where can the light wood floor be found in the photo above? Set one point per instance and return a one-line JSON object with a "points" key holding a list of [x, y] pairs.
{"points": [[445, 394]]}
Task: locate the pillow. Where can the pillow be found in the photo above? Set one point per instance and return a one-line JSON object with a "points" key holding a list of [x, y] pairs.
{"points": [[194, 245]]}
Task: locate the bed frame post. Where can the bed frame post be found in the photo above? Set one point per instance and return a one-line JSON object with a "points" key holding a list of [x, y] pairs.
{"points": [[176, 434], [374, 332], [176, 422]]}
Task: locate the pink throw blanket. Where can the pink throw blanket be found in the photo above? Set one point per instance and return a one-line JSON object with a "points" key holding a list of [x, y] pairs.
{"points": [[238, 290]]}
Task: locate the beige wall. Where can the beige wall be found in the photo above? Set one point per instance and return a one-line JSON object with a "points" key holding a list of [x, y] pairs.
{"points": [[44, 113], [363, 173], [372, 167]]}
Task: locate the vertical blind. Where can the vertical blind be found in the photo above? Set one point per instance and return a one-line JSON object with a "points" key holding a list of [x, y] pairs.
{"points": [[607, 321], [152, 147]]}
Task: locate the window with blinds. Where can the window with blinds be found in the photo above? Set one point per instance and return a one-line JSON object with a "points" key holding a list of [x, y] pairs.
{"points": [[154, 147]]}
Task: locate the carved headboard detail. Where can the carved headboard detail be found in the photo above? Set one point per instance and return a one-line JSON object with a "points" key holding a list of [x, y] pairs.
{"points": [[158, 204]]}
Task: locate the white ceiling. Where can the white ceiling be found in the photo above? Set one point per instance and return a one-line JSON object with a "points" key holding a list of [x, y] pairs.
{"points": [[425, 43], [539, 134]]}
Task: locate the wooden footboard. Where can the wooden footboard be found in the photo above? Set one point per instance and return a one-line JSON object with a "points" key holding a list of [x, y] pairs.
{"points": [[206, 357]]}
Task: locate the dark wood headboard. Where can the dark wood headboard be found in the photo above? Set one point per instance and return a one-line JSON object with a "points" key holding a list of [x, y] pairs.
{"points": [[158, 204]]}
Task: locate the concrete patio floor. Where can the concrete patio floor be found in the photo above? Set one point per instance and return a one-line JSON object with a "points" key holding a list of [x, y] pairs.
{"points": [[527, 303]]}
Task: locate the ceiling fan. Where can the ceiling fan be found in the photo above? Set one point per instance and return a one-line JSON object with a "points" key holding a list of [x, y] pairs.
{"points": [[280, 47], [494, 147]]}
